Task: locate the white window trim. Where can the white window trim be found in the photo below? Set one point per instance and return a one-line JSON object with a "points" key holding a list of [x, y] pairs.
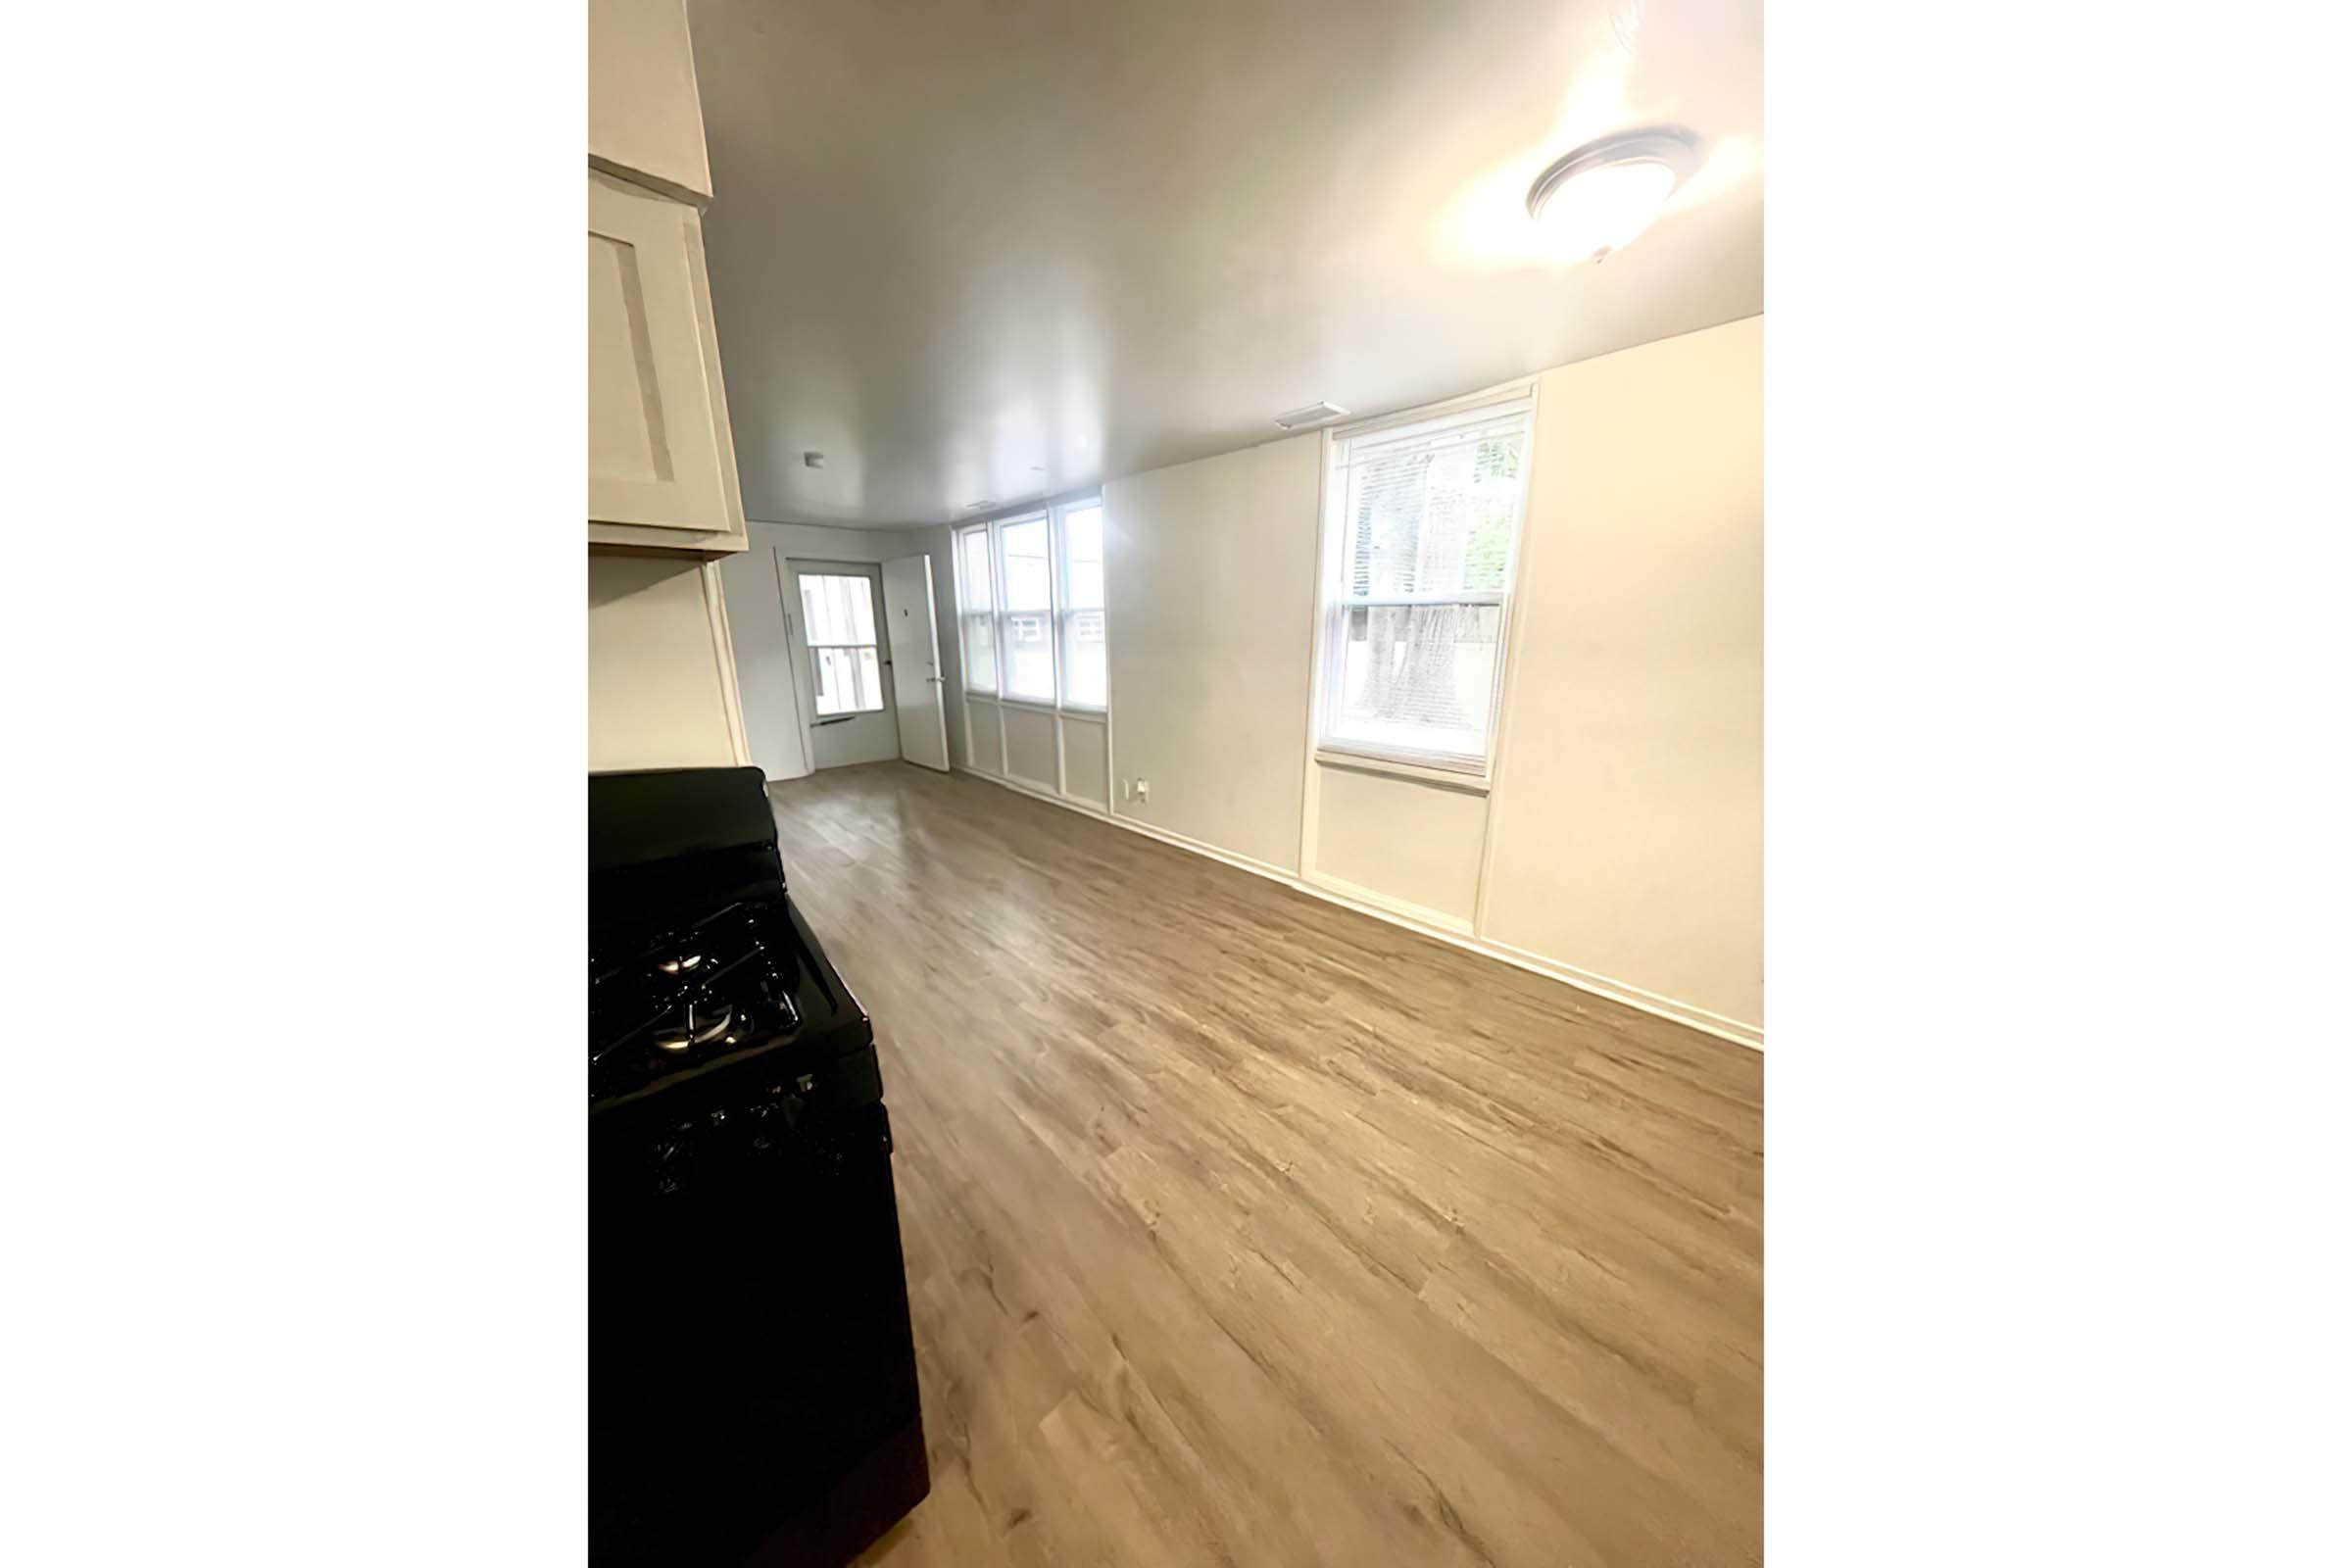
{"points": [[816, 680], [1005, 614], [963, 611], [1062, 610], [1057, 594], [1474, 773]]}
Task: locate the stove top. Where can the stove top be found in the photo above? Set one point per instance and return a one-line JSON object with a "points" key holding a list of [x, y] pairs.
{"points": [[691, 998]]}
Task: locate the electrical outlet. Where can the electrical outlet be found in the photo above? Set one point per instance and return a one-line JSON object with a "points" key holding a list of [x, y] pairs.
{"points": [[1143, 789]]}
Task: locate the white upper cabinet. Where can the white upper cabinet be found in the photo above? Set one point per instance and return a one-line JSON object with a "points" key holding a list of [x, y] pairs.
{"points": [[661, 456]]}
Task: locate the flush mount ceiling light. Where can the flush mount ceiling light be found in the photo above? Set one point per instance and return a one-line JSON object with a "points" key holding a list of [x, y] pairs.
{"points": [[1601, 196]]}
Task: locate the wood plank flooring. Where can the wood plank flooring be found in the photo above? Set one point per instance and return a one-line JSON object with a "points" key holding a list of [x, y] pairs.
{"points": [[1246, 1228]]}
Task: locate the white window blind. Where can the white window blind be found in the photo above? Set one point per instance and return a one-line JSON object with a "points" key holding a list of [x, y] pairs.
{"points": [[1424, 532], [844, 659], [976, 610]]}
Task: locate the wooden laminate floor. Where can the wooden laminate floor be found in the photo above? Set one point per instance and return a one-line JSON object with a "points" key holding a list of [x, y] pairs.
{"points": [[1246, 1228]]}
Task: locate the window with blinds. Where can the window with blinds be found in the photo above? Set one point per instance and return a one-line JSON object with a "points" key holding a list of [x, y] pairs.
{"points": [[1030, 603], [1423, 534]]}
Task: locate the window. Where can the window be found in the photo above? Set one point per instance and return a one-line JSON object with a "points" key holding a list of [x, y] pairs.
{"points": [[842, 651], [1027, 605], [977, 612], [1085, 665], [1424, 531], [1030, 600]]}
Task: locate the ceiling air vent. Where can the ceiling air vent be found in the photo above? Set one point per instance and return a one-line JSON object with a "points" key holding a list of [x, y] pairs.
{"points": [[1312, 414]]}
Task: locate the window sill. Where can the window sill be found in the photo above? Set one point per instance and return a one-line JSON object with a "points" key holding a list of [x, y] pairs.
{"points": [[1033, 706], [1445, 779]]}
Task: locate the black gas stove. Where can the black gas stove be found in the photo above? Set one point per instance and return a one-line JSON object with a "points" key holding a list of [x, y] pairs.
{"points": [[689, 999], [752, 1389]]}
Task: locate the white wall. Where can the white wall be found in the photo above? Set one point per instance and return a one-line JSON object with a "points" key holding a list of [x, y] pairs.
{"points": [[1031, 741], [1628, 825], [766, 667], [1210, 578], [645, 115], [763, 662], [657, 693], [1086, 760], [1623, 841]]}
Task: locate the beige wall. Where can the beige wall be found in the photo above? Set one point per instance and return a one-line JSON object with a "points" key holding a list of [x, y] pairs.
{"points": [[1623, 841], [1399, 839], [1210, 578], [655, 697], [645, 115], [1628, 825]]}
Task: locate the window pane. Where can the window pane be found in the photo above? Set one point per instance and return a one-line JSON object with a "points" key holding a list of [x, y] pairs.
{"points": [[1082, 534], [1439, 520], [975, 578], [1085, 671], [849, 680], [1028, 571], [980, 654], [839, 609], [1418, 678], [1028, 655]]}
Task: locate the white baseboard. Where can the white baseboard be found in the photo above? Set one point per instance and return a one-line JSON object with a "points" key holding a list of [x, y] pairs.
{"points": [[1649, 1002], [1433, 923], [1239, 863], [1038, 792], [1402, 910]]}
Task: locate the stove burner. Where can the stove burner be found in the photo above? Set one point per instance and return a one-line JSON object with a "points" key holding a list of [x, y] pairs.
{"points": [[714, 1023], [690, 995]]}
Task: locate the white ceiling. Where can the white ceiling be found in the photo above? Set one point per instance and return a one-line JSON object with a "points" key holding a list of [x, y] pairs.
{"points": [[1001, 249]]}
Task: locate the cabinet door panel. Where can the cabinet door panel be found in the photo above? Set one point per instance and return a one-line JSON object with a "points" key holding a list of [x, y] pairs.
{"points": [[654, 450]]}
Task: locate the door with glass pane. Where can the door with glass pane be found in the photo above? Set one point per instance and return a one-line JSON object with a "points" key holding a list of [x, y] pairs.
{"points": [[843, 667]]}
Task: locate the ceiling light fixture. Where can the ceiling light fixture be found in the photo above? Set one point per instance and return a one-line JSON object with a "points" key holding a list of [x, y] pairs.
{"points": [[1601, 196]]}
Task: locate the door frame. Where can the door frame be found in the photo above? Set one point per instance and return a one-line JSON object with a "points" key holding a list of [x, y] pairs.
{"points": [[804, 674]]}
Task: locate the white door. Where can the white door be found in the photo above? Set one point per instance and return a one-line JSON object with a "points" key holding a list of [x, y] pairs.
{"points": [[837, 644], [914, 679]]}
